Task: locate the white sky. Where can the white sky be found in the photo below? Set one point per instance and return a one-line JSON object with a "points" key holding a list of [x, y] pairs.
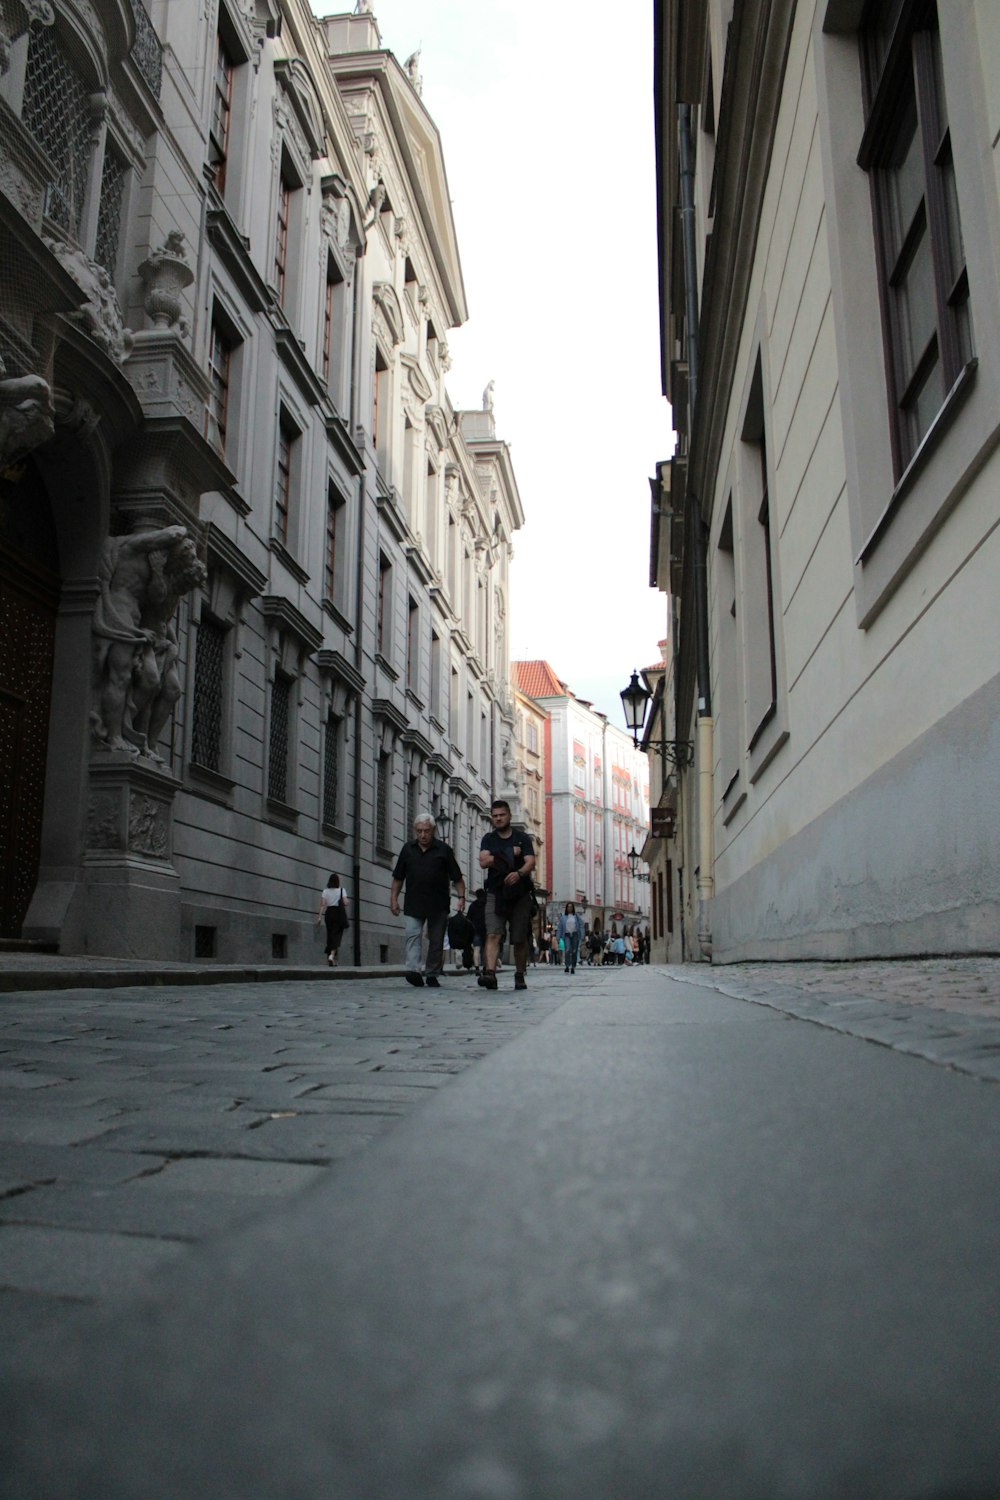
{"points": [[545, 111]]}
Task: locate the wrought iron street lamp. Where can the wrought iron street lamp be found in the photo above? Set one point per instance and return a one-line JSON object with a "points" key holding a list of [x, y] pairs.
{"points": [[635, 700], [633, 861]]}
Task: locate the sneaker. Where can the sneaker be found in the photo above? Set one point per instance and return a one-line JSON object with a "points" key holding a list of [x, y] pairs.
{"points": [[520, 983], [488, 980], [432, 982], [417, 979]]}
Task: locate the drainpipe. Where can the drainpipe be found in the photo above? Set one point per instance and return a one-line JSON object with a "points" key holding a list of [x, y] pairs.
{"points": [[705, 725], [359, 654]]}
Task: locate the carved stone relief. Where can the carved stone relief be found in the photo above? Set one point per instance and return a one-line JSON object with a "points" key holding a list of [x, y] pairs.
{"points": [[143, 576]]}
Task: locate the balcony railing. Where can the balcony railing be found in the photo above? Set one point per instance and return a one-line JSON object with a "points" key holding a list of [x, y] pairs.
{"points": [[147, 49]]}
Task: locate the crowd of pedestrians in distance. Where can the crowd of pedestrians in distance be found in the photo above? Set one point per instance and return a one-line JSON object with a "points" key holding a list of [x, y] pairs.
{"points": [[571, 940]]}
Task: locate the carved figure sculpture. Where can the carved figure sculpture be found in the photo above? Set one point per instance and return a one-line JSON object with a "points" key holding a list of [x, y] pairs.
{"points": [[143, 577], [25, 414], [488, 396]]}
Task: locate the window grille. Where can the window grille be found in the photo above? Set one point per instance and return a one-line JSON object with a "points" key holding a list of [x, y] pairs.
{"points": [[109, 214], [209, 670], [331, 770], [55, 112], [382, 803], [147, 49], [277, 757]]}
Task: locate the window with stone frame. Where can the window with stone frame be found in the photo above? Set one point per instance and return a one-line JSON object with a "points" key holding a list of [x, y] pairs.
{"points": [[383, 608], [383, 810], [65, 112], [332, 322], [208, 712], [222, 113], [333, 740], [333, 556], [412, 645], [284, 468], [279, 738], [221, 352], [923, 280]]}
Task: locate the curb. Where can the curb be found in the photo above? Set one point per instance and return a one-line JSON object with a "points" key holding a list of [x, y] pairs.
{"points": [[16, 981]]}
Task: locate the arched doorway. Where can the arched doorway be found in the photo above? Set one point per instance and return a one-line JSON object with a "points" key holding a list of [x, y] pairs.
{"points": [[29, 597]]}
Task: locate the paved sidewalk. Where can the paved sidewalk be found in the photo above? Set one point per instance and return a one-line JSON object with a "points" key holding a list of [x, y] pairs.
{"points": [[946, 1010]]}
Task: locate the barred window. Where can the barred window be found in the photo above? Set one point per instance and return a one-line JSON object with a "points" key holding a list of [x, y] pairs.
{"points": [[277, 744], [382, 803], [209, 677], [55, 110], [109, 213], [331, 770], [412, 800]]}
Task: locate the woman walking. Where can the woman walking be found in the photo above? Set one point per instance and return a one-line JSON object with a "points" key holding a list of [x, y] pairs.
{"points": [[570, 930], [333, 907]]}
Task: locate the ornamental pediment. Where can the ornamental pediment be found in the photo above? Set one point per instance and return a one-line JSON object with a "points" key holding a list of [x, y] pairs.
{"points": [[293, 75], [388, 304], [419, 384]]}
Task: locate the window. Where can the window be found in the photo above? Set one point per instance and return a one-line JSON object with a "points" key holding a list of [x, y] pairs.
{"points": [[923, 281], [220, 365], [435, 674], [381, 411], [278, 738], [331, 301], [412, 645], [382, 794], [383, 615], [287, 437], [222, 110], [760, 644], [332, 561], [331, 770], [412, 800], [109, 214], [57, 112], [209, 694], [727, 691], [61, 109], [282, 221], [453, 707]]}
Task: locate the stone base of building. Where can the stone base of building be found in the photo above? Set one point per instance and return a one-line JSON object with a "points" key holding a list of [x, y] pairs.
{"points": [[904, 866]]}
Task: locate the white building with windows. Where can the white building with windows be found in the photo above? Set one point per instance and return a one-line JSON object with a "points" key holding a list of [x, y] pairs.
{"points": [[229, 275], [596, 804], [827, 528]]}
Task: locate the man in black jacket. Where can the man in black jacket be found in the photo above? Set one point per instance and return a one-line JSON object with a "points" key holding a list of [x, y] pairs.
{"points": [[427, 868]]}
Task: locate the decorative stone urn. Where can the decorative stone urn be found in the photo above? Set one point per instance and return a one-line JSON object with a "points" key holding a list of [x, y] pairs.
{"points": [[166, 274]]}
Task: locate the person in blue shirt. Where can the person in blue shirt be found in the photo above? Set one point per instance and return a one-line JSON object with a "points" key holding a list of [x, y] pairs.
{"points": [[508, 858]]}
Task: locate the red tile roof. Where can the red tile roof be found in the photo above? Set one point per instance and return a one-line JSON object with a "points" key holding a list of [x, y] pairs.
{"points": [[537, 680]]}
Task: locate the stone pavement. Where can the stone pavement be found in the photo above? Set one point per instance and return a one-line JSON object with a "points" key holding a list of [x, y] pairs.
{"points": [[622, 1236]]}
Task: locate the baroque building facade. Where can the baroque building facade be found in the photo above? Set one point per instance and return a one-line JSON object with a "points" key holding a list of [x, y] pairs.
{"points": [[829, 222], [254, 564], [596, 804]]}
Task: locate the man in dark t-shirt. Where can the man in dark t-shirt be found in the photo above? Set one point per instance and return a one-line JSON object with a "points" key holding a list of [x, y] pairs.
{"points": [[508, 857], [428, 869]]}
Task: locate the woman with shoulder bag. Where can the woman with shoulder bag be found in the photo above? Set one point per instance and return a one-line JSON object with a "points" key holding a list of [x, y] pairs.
{"points": [[333, 908]]}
